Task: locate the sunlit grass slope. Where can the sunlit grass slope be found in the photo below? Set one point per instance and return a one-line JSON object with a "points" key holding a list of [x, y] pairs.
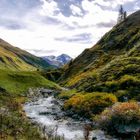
{"points": [[19, 82], [16, 59]]}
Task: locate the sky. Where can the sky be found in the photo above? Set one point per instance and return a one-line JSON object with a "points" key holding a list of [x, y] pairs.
{"points": [[53, 27]]}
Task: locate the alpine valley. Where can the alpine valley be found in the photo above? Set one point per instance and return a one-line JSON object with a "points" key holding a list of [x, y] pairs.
{"points": [[96, 96]]}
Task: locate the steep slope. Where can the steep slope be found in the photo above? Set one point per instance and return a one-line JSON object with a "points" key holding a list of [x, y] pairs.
{"points": [[16, 59], [18, 73], [58, 61], [112, 65]]}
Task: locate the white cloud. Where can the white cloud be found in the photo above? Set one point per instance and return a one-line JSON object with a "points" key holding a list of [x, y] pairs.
{"points": [[48, 8], [76, 10], [41, 35], [137, 6], [124, 1]]}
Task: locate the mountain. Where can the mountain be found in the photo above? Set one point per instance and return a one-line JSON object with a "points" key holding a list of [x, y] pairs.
{"points": [[64, 59], [18, 76], [16, 59], [112, 65], [57, 61]]}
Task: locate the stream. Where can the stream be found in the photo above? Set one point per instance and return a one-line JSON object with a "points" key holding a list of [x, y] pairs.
{"points": [[46, 112]]}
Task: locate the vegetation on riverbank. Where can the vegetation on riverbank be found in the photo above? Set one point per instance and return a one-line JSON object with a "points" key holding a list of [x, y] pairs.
{"points": [[13, 89], [122, 119], [13, 121], [66, 94], [89, 104]]}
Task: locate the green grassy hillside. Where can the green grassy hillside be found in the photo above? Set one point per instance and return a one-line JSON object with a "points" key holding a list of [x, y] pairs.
{"points": [[13, 121], [19, 82], [16, 59], [13, 88], [18, 73], [112, 65]]}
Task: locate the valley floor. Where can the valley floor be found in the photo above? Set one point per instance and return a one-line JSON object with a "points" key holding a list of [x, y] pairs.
{"points": [[14, 125]]}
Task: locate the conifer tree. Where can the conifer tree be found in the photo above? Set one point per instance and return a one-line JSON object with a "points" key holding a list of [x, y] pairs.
{"points": [[122, 14]]}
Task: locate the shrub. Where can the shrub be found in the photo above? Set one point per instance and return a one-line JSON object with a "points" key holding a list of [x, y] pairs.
{"points": [[89, 104], [122, 118], [66, 94], [13, 122]]}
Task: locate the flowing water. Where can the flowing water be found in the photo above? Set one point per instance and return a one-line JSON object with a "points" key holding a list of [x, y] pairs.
{"points": [[47, 113]]}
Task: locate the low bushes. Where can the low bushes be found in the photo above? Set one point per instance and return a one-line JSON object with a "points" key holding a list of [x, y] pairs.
{"points": [[66, 94], [130, 85], [13, 122], [122, 118], [86, 105]]}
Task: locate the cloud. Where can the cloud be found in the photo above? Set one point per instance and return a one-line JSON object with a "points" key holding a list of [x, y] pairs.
{"points": [[42, 52], [76, 11], [50, 20], [57, 26], [80, 38], [12, 24], [106, 24], [137, 6], [49, 8], [18, 8]]}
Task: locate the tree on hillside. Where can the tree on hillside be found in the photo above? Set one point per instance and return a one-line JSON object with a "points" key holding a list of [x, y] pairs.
{"points": [[122, 14]]}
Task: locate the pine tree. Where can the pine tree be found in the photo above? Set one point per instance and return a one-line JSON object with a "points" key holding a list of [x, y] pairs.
{"points": [[122, 14], [125, 15]]}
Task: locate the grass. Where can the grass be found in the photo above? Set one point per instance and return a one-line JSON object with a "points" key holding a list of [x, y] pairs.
{"points": [[66, 94], [19, 71], [14, 58], [122, 73], [13, 87], [14, 124], [19, 82]]}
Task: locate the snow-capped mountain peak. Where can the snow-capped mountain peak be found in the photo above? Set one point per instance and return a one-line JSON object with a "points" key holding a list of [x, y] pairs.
{"points": [[58, 61]]}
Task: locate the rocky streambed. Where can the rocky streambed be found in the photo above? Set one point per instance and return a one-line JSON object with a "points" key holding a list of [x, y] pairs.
{"points": [[45, 111]]}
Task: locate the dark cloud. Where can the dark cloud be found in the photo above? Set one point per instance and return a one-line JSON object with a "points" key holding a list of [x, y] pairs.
{"points": [[80, 38], [18, 7], [106, 24], [76, 26], [130, 5], [64, 6], [50, 20], [13, 11], [12, 24]]}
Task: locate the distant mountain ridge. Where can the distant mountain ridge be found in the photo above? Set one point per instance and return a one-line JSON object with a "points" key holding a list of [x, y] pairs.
{"points": [[14, 58], [57, 61]]}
